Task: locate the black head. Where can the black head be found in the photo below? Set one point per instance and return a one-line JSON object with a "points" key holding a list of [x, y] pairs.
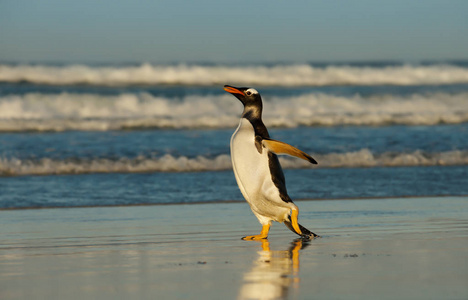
{"points": [[248, 96], [252, 107]]}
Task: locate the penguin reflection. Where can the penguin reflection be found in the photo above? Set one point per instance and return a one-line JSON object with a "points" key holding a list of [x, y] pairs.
{"points": [[273, 273]]}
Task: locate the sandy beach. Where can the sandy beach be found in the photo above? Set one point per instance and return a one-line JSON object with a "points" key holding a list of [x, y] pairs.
{"points": [[402, 248]]}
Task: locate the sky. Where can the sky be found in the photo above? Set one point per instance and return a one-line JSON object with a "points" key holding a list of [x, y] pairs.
{"points": [[115, 31]]}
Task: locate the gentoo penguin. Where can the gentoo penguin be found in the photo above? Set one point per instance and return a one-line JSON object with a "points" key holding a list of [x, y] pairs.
{"points": [[257, 169]]}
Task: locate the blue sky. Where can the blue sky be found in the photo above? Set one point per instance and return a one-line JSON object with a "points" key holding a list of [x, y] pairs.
{"points": [[114, 31]]}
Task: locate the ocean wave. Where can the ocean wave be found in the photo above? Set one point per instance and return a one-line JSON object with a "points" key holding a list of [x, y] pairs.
{"points": [[94, 112], [276, 75], [169, 163]]}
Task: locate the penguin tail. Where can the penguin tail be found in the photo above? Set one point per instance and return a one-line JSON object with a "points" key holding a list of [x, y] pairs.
{"points": [[306, 233]]}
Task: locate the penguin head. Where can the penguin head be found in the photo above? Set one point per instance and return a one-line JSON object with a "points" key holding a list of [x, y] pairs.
{"points": [[248, 96]]}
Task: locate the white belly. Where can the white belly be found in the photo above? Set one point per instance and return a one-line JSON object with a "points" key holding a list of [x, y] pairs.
{"points": [[253, 176]]}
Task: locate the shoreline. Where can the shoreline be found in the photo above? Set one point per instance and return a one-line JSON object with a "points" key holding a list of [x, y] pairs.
{"points": [[227, 202]]}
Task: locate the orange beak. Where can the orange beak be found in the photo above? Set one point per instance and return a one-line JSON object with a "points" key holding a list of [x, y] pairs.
{"points": [[232, 90]]}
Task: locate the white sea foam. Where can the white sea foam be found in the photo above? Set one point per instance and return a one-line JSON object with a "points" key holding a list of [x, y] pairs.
{"points": [[169, 163], [278, 75], [58, 112]]}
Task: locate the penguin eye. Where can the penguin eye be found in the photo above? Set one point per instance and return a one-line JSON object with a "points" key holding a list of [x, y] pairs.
{"points": [[251, 92]]}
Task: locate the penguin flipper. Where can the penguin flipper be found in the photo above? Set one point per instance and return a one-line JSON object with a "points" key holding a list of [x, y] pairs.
{"points": [[278, 147]]}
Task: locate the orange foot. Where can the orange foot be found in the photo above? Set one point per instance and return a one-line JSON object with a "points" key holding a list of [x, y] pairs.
{"points": [[263, 234]]}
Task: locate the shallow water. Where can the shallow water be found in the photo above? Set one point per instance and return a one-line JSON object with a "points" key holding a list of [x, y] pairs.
{"points": [[367, 249], [218, 187]]}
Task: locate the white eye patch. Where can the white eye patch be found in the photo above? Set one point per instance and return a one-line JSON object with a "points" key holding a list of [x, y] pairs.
{"points": [[251, 92]]}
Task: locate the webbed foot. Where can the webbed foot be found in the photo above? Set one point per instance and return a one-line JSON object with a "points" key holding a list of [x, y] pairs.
{"points": [[263, 234]]}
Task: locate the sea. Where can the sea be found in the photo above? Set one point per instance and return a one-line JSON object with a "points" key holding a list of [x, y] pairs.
{"points": [[86, 135]]}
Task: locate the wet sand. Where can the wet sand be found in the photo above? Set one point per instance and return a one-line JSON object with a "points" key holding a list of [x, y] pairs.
{"points": [[404, 248]]}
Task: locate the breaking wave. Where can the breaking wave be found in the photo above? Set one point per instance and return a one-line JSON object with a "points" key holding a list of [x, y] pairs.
{"points": [[169, 163], [94, 112], [277, 75]]}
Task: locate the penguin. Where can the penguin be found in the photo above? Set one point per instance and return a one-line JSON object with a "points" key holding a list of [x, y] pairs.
{"points": [[257, 169]]}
